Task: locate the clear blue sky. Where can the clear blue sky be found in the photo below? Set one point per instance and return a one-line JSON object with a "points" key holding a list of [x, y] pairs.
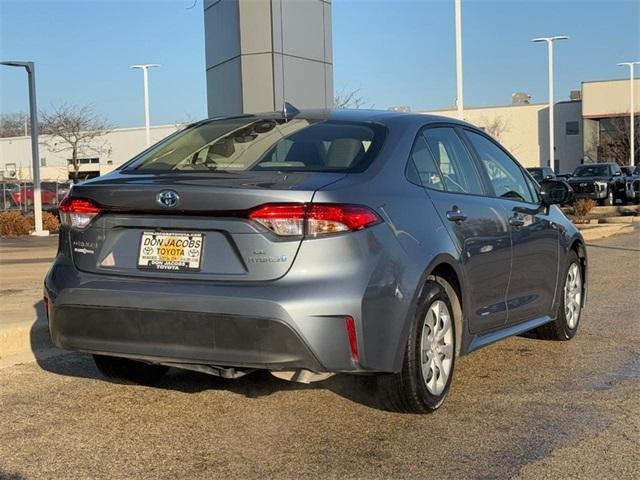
{"points": [[396, 51]]}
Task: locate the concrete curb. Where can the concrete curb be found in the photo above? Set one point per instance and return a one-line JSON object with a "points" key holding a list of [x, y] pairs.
{"points": [[30, 357], [25, 342], [596, 232], [626, 219]]}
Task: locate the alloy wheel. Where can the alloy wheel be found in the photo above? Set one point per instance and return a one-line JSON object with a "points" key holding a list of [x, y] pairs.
{"points": [[573, 295], [436, 347]]}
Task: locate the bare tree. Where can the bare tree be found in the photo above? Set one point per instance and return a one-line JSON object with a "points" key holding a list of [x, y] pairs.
{"points": [[14, 125], [75, 129], [351, 99], [590, 145], [495, 127], [615, 140], [187, 119]]}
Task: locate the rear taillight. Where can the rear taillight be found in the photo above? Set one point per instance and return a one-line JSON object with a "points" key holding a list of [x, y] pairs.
{"points": [[283, 219], [77, 212], [313, 219]]}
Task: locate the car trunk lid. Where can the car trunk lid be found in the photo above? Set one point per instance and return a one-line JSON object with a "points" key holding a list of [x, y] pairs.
{"points": [[209, 219]]}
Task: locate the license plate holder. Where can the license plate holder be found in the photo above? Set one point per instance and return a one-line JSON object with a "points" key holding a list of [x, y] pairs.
{"points": [[170, 251]]}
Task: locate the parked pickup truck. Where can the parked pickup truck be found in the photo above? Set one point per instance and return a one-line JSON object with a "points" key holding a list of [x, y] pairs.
{"points": [[603, 182], [632, 182], [540, 174]]}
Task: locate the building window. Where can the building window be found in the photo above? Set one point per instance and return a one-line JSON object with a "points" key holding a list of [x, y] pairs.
{"points": [[572, 128], [84, 161], [43, 162]]}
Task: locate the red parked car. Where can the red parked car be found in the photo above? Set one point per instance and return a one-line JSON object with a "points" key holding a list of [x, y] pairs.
{"points": [[18, 196]]}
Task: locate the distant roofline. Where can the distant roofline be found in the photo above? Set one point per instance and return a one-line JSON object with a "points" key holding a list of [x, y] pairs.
{"points": [[122, 129], [509, 105], [610, 80]]}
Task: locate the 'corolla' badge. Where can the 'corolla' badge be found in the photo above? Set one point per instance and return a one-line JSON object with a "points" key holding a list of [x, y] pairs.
{"points": [[168, 199]]}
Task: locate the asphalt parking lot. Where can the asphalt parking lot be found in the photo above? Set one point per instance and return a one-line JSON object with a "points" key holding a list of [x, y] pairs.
{"points": [[523, 408]]}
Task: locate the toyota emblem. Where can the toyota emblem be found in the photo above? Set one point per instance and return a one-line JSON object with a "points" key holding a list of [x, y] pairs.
{"points": [[168, 199]]}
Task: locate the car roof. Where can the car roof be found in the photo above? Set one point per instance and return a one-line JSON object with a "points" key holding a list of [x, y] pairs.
{"points": [[355, 115]]}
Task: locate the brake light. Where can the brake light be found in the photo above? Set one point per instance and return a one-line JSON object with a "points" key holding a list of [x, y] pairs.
{"points": [[282, 219], [313, 219], [77, 212]]}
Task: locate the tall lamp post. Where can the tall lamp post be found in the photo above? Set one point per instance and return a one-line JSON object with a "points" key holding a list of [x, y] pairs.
{"points": [[35, 154], [458, 21], [145, 77], [631, 65], [549, 41]]}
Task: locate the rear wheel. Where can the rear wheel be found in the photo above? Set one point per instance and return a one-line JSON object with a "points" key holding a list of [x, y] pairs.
{"points": [[125, 370], [565, 326], [427, 370]]}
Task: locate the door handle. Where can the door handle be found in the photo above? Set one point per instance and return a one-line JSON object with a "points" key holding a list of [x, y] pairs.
{"points": [[516, 221], [456, 215]]}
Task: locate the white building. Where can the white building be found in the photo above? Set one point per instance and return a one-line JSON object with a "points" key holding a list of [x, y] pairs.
{"points": [[111, 150], [590, 128]]}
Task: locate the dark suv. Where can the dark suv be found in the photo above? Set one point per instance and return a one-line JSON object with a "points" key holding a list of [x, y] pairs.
{"points": [[360, 242], [603, 182]]}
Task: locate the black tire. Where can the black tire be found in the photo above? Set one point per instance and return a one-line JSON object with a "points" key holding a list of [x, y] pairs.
{"points": [[125, 370], [559, 329], [406, 391]]}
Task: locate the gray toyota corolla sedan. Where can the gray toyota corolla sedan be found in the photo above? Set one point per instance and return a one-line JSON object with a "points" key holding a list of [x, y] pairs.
{"points": [[310, 243]]}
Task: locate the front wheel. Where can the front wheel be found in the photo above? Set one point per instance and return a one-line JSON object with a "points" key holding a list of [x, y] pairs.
{"points": [[427, 370], [565, 326], [609, 201]]}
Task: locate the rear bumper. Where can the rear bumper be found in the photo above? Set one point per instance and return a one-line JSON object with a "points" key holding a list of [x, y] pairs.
{"points": [[265, 325], [181, 337]]}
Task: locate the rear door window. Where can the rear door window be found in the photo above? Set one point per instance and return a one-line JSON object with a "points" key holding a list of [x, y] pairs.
{"points": [[452, 160]]}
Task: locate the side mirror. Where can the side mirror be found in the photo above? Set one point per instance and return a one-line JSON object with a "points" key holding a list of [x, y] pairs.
{"points": [[555, 192], [617, 173]]}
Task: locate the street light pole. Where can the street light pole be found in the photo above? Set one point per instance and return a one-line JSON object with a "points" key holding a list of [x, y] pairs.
{"points": [[549, 41], [145, 78], [632, 126], [459, 96], [35, 154]]}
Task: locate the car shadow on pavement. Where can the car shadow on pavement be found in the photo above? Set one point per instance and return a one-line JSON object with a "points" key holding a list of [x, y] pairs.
{"points": [[357, 388], [10, 475]]}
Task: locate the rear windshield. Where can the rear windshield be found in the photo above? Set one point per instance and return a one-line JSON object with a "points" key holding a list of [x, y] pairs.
{"points": [[250, 143], [592, 171]]}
